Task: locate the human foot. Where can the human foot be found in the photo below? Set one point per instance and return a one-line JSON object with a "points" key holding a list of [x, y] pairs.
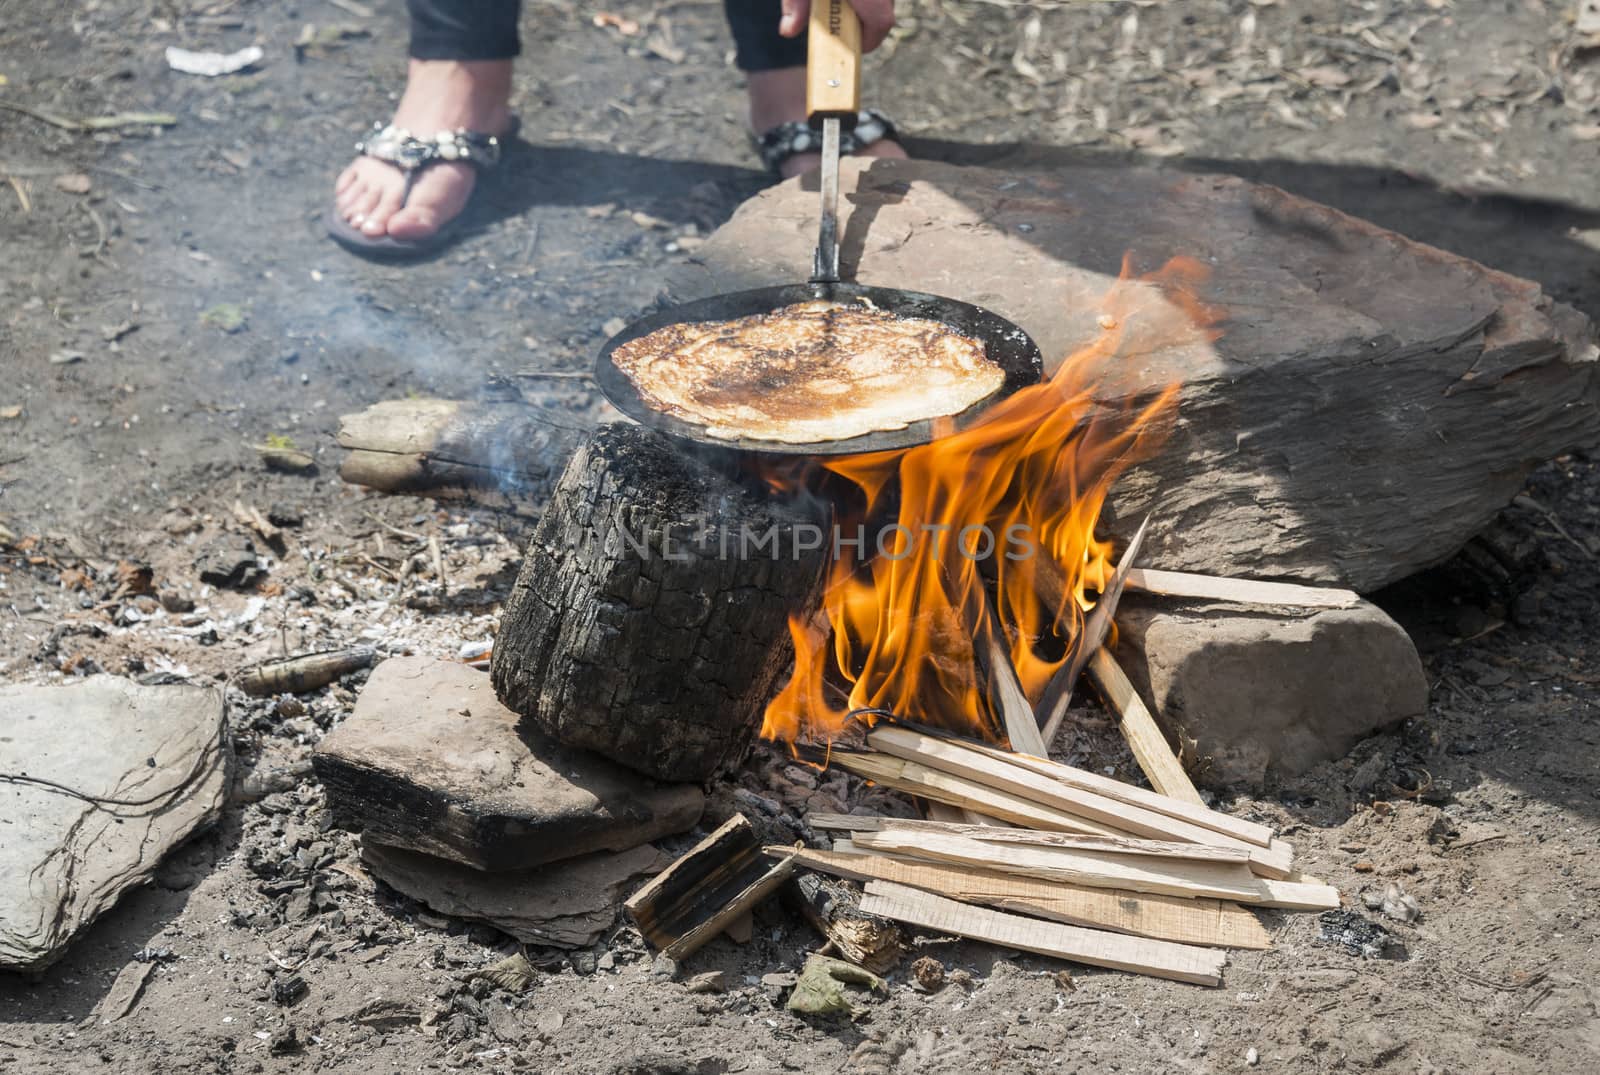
{"points": [[778, 97], [441, 95]]}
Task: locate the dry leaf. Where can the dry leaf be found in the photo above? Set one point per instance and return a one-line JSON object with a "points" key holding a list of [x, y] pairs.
{"points": [[73, 183], [1424, 121], [624, 25], [1326, 77]]}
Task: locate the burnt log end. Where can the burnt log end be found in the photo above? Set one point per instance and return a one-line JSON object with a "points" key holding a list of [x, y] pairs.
{"points": [[650, 619]]}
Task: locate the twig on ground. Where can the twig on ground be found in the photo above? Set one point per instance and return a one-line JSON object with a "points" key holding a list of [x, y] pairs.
{"points": [[94, 123]]}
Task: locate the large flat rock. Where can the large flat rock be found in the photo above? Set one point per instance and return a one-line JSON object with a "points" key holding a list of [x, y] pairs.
{"points": [[431, 761], [1255, 694], [1371, 401], [155, 758]]}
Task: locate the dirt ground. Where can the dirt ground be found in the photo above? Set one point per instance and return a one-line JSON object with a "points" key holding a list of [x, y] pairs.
{"points": [[182, 305]]}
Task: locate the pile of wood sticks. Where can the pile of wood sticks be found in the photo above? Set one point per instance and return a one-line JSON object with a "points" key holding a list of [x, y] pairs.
{"points": [[1043, 857]]}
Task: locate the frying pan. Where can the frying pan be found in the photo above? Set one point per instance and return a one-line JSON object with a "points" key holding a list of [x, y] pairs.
{"points": [[833, 81]]}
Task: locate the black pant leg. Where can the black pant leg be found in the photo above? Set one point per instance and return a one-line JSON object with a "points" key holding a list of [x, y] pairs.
{"points": [[758, 45], [464, 29]]}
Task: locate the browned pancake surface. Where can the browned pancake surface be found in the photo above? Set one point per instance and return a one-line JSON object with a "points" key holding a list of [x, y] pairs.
{"points": [[812, 372]]}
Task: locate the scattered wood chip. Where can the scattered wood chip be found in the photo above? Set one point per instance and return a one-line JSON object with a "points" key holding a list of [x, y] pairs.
{"points": [[125, 991]]}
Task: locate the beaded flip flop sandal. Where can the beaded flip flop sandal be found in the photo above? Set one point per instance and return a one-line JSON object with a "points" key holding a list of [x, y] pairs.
{"points": [[412, 155], [795, 137]]}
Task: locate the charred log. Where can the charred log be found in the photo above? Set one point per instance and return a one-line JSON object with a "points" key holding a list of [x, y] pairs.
{"points": [[650, 619]]}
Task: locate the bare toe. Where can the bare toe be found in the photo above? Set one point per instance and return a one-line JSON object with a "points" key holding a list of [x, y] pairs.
{"points": [[438, 195], [362, 207], [377, 221], [346, 177]]}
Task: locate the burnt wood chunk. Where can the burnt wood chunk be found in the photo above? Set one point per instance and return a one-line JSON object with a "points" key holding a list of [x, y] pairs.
{"points": [[650, 619], [832, 908], [707, 890]]}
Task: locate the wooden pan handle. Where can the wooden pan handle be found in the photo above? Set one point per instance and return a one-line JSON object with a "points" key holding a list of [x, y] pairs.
{"points": [[833, 61]]}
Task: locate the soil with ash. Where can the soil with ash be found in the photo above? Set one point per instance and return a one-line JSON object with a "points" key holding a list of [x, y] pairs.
{"points": [[167, 301]]}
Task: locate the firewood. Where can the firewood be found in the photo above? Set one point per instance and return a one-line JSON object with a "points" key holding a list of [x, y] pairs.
{"points": [[1239, 591], [1149, 746], [1113, 844], [1113, 817], [650, 620], [306, 672], [440, 446], [964, 794], [1170, 877], [833, 911], [1022, 729], [1161, 959], [1057, 696], [1239, 828], [1213, 923], [707, 890]]}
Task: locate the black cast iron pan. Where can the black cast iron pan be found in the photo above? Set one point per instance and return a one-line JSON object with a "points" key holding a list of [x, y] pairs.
{"points": [[833, 77]]}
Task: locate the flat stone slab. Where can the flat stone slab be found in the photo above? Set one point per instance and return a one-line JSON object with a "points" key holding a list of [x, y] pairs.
{"points": [[431, 761], [566, 904], [1370, 403], [160, 752], [1254, 693]]}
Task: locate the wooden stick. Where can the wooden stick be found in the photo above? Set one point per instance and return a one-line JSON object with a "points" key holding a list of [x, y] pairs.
{"points": [[954, 758], [1022, 729], [1057, 694], [690, 902], [1114, 817], [1114, 844], [1097, 869], [1161, 959], [1223, 824], [964, 794], [1150, 747], [1248, 831], [1214, 923], [1239, 591], [937, 811], [1158, 876]]}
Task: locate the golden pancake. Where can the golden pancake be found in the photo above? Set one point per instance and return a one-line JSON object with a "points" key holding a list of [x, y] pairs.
{"points": [[812, 372]]}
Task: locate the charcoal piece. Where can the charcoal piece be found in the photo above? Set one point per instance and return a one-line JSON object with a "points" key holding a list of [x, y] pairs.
{"points": [[1358, 935]]}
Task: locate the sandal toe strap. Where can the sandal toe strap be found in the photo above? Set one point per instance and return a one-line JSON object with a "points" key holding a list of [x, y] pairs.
{"points": [[795, 137], [405, 151]]}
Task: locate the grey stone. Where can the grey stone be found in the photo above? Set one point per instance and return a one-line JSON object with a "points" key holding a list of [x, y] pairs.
{"points": [[565, 904], [1370, 403], [430, 760], [1252, 692], [64, 860]]}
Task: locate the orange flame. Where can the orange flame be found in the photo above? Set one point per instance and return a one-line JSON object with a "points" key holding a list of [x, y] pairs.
{"points": [[908, 609]]}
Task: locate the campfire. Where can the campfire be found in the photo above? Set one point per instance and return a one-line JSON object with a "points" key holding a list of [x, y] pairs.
{"points": [[973, 557], [941, 600]]}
